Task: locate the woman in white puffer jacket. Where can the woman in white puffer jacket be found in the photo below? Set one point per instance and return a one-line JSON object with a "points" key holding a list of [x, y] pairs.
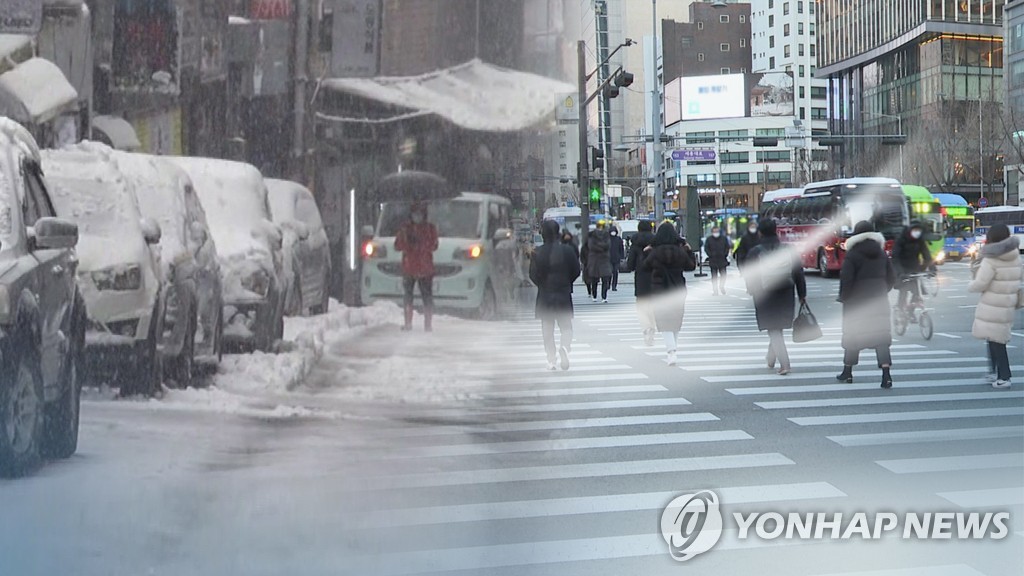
{"points": [[998, 280]]}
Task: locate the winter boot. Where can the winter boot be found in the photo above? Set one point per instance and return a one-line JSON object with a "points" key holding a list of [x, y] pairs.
{"points": [[886, 378], [847, 375], [408, 319], [428, 319]]}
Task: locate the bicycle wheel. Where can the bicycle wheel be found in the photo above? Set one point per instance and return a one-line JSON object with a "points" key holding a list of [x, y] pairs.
{"points": [[927, 328], [899, 321], [930, 286]]}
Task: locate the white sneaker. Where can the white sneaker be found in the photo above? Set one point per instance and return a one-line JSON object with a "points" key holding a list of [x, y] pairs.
{"points": [[594, 299], [648, 337], [605, 301], [671, 360], [991, 378], [551, 366], [563, 354], [1001, 384]]}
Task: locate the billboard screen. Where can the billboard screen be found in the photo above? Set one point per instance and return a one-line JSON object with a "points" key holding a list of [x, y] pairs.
{"points": [[771, 94], [706, 97]]}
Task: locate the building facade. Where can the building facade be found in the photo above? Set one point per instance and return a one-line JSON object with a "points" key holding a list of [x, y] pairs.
{"points": [[934, 68], [1013, 78]]}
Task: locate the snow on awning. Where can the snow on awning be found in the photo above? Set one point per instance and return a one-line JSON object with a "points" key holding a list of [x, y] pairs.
{"points": [[12, 43], [36, 91], [118, 131], [474, 95]]}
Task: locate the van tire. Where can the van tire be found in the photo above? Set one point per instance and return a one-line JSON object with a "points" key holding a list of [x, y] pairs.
{"points": [[62, 416]]}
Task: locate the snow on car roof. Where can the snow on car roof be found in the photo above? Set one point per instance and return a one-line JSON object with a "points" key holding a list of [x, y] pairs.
{"points": [[88, 188], [157, 187], [283, 196]]}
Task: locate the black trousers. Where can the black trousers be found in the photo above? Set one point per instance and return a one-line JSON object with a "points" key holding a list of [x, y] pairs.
{"points": [[882, 353], [615, 275], [426, 290], [592, 283], [998, 360]]}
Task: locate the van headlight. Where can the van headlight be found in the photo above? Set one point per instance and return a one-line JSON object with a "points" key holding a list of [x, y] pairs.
{"points": [[119, 278], [472, 253], [258, 283], [941, 256]]}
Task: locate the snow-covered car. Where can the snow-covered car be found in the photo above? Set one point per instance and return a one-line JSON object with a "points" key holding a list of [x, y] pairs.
{"points": [[42, 314], [119, 266], [188, 257], [307, 254], [249, 247]]}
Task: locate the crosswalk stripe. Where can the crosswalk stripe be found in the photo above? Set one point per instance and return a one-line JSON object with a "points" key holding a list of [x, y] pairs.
{"points": [[872, 373], [985, 498], [574, 391], [944, 435], [906, 416], [953, 463], [492, 511], [760, 390], [890, 399], [558, 424], [725, 368], [813, 352], [499, 364], [574, 471], [946, 570], [543, 370], [576, 378], [485, 448]]}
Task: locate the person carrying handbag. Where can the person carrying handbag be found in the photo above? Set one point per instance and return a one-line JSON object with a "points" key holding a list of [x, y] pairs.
{"points": [[998, 281], [865, 280], [666, 259]]}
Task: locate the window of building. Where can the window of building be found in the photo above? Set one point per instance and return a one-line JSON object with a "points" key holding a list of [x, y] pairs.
{"points": [[726, 135], [819, 92], [724, 47], [801, 92], [774, 177], [743, 70], [735, 157], [801, 71], [778, 132], [771, 42], [743, 42], [771, 63], [813, 69], [700, 57], [800, 7], [817, 154], [785, 30], [563, 167], [771, 20], [771, 4], [812, 45], [561, 132], [743, 18], [812, 28], [726, 71], [785, 8], [724, 18], [773, 156], [799, 27], [810, 8], [819, 114], [803, 114], [700, 137], [735, 178], [800, 49], [785, 51], [561, 144], [700, 25]]}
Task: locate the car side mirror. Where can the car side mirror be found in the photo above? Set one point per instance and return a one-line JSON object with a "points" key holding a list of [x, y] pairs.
{"points": [[502, 234], [150, 230], [55, 234]]}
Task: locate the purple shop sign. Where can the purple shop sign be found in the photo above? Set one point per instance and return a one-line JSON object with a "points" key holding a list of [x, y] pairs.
{"points": [[694, 154]]}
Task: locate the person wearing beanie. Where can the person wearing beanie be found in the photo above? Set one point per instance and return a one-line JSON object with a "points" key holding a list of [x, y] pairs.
{"points": [[865, 280], [774, 275], [998, 281]]}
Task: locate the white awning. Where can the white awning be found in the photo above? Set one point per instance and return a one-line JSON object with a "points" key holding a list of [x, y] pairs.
{"points": [[118, 131], [12, 43], [474, 95], [36, 91]]}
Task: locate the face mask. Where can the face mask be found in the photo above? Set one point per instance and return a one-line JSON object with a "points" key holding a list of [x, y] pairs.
{"points": [[752, 229], [716, 234], [915, 234], [615, 233]]}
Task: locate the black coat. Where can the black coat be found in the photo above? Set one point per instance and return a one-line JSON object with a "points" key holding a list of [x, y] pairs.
{"points": [[666, 261], [717, 250], [773, 283], [553, 270], [617, 251], [865, 280], [910, 256], [642, 277], [597, 261], [747, 243]]}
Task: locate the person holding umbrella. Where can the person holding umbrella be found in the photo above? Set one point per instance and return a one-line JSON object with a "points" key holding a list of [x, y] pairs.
{"points": [[417, 240]]}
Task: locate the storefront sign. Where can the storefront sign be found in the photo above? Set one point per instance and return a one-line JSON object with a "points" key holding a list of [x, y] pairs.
{"points": [[270, 9], [356, 38]]}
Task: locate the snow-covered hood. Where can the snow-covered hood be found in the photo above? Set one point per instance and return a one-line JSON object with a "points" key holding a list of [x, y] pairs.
{"points": [[98, 253]]}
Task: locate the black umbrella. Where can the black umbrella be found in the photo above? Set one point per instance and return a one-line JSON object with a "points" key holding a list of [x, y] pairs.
{"points": [[413, 186]]}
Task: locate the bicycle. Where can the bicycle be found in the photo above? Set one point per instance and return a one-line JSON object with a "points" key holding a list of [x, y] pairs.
{"points": [[927, 285]]}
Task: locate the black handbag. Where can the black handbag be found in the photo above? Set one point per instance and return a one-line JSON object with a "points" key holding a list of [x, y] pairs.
{"points": [[805, 325]]}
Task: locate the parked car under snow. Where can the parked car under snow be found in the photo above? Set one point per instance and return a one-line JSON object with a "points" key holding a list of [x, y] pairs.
{"points": [[119, 270], [249, 247], [192, 322], [307, 253]]}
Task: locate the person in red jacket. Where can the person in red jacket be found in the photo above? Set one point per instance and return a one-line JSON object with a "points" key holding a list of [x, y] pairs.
{"points": [[417, 240]]}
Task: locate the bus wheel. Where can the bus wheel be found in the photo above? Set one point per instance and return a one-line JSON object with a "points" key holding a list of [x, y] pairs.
{"points": [[823, 264]]}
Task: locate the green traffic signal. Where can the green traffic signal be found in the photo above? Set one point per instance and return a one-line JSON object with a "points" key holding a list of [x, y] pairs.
{"points": [[595, 194]]}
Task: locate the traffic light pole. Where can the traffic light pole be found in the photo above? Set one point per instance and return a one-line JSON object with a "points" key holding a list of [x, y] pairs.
{"points": [[584, 176]]}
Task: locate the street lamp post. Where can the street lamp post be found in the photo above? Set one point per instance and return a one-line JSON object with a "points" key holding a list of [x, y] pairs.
{"points": [[657, 161]]}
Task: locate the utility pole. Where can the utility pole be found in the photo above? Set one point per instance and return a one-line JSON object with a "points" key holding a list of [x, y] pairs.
{"points": [[299, 89], [583, 178], [657, 162]]}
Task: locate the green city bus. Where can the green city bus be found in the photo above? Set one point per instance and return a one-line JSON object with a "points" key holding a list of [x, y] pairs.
{"points": [[927, 210]]}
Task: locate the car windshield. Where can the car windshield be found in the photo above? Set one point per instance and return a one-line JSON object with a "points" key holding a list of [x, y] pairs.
{"points": [[453, 218], [99, 208]]}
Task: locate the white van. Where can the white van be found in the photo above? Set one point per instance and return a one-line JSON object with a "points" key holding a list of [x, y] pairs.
{"points": [[475, 270]]}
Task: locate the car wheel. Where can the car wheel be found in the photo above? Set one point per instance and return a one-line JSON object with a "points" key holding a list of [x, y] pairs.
{"points": [[149, 365], [62, 416], [21, 410], [184, 364], [488, 304]]}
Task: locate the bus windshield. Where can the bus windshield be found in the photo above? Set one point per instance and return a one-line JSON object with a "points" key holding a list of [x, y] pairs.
{"points": [[883, 206], [960, 227], [453, 218]]}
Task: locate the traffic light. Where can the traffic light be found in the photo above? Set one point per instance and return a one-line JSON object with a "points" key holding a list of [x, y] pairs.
{"points": [[596, 158], [611, 91], [624, 79], [830, 140], [894, 140], [595, 197], [766, 141]]}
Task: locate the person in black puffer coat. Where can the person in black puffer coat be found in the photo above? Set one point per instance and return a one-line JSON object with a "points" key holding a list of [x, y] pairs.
{"points": [[597, 261], [865, 280], [666, 260], [616, 253], [773, 273], [642, 279], [910, 255], [717, 246], [553, 270]]}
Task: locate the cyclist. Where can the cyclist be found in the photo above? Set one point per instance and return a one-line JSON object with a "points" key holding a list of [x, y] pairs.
{"points": [[910, 255]]}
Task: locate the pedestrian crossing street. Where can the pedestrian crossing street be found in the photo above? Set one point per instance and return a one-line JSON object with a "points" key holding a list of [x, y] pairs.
{"points": [[567, 472]]}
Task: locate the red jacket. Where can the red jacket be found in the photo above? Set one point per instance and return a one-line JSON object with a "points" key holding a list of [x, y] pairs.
{"points": [[417, 243]]}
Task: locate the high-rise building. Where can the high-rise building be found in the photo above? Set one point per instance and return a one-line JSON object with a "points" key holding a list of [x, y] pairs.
{"points": [[934, 69], [1013, 78], [783, 40]]}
